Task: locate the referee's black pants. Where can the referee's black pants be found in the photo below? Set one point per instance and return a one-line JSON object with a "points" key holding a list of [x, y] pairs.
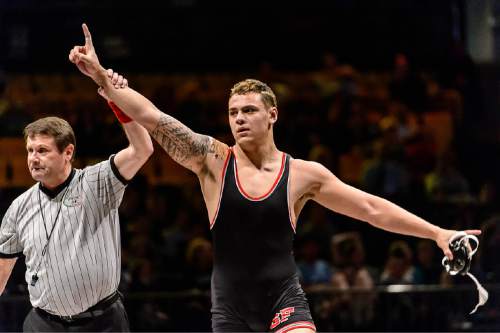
{"points": [[113, 319]]}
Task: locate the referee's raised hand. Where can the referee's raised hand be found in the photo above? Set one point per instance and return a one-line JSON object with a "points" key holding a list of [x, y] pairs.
{"points": [[85, 58]]}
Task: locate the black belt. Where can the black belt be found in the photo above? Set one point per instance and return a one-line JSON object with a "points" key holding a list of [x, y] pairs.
{"points": [[92, 312]]}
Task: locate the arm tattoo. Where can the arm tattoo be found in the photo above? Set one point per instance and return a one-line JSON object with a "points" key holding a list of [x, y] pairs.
{"points": [[218, 149], [180, 142]]}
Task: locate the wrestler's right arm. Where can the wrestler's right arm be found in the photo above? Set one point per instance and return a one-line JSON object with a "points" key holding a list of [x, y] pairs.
{"points": [[194, 151]]}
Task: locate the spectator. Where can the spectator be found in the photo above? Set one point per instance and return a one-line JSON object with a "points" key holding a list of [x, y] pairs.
{"points": [[13, 116], [355, 303], [406, 86], [199, 263], [399, 268], [446, 183], [313, 270], [428, 264]]}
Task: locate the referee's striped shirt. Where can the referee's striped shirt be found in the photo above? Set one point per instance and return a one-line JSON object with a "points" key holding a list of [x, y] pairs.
{"points": [[83, 259]]}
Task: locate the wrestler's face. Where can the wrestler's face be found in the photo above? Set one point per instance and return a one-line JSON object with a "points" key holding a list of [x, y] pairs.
{"points": [[46, 163], [250, 119]]}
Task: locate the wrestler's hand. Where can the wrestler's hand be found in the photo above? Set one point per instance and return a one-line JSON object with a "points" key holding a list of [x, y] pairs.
{"points": [[444, 236], [118, 81], [85, 58]]}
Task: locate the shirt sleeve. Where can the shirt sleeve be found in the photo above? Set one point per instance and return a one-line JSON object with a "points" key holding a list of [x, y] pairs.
{"points": [[107, 182], [10, 247]]}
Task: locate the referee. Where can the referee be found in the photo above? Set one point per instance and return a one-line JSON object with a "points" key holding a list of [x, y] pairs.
{"points": [[67, 227]]}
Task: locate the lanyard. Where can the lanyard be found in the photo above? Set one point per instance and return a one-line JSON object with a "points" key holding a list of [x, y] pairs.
{"points": [[34, 277]]}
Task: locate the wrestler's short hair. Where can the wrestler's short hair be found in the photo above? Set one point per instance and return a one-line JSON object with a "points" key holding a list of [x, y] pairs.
{"points": [[255, 86]]}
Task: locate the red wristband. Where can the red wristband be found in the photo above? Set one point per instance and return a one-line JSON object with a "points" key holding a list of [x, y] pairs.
{"points": [[120, 115]]}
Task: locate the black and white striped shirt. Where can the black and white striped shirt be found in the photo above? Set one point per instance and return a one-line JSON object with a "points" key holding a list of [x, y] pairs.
{"points": [[83, 259]]}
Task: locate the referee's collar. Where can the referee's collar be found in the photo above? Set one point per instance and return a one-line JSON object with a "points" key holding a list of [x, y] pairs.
{"points": [[53, 193]]}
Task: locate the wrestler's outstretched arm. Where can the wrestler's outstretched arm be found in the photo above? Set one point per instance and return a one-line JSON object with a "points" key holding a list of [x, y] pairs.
{"points": [[322, 186]]}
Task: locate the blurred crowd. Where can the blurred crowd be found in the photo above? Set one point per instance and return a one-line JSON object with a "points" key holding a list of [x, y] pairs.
{"points": [[402, 133]]}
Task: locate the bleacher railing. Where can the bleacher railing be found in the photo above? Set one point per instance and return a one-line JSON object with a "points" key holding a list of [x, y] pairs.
{"points": [[385, 308]]}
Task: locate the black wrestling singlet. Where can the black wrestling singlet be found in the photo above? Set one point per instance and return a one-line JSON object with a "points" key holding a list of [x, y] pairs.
{"points": [[253, 240]]}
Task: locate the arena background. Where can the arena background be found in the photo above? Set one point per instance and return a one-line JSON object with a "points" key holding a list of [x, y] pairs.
{"points": [[399, 98]]}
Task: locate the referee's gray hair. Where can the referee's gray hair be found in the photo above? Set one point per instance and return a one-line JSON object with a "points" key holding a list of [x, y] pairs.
{"points": [[55, 127]]}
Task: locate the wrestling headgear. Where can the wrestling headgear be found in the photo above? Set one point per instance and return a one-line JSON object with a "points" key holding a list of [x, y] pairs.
{"points": [[463, 251]]}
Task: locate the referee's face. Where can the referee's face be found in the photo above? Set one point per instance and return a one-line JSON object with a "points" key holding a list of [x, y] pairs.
{"points": [[45, 162]]}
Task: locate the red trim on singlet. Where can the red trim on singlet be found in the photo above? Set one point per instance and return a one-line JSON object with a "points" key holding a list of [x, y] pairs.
{"points": [[288, 199], [298, 324], [223, 175], [273, 187]]}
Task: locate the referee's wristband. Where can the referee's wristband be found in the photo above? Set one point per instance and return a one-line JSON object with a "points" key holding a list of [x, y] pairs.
{"points": [[120, 115]]}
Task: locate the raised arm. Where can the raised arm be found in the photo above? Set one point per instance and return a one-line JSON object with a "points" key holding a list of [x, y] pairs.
{"points": [[186, 147], [325, 188], [6, 266], [129, 160], [182, 144]]}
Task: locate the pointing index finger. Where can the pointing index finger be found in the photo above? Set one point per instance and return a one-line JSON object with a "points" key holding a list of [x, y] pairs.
{"points": [[88, 37]]}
